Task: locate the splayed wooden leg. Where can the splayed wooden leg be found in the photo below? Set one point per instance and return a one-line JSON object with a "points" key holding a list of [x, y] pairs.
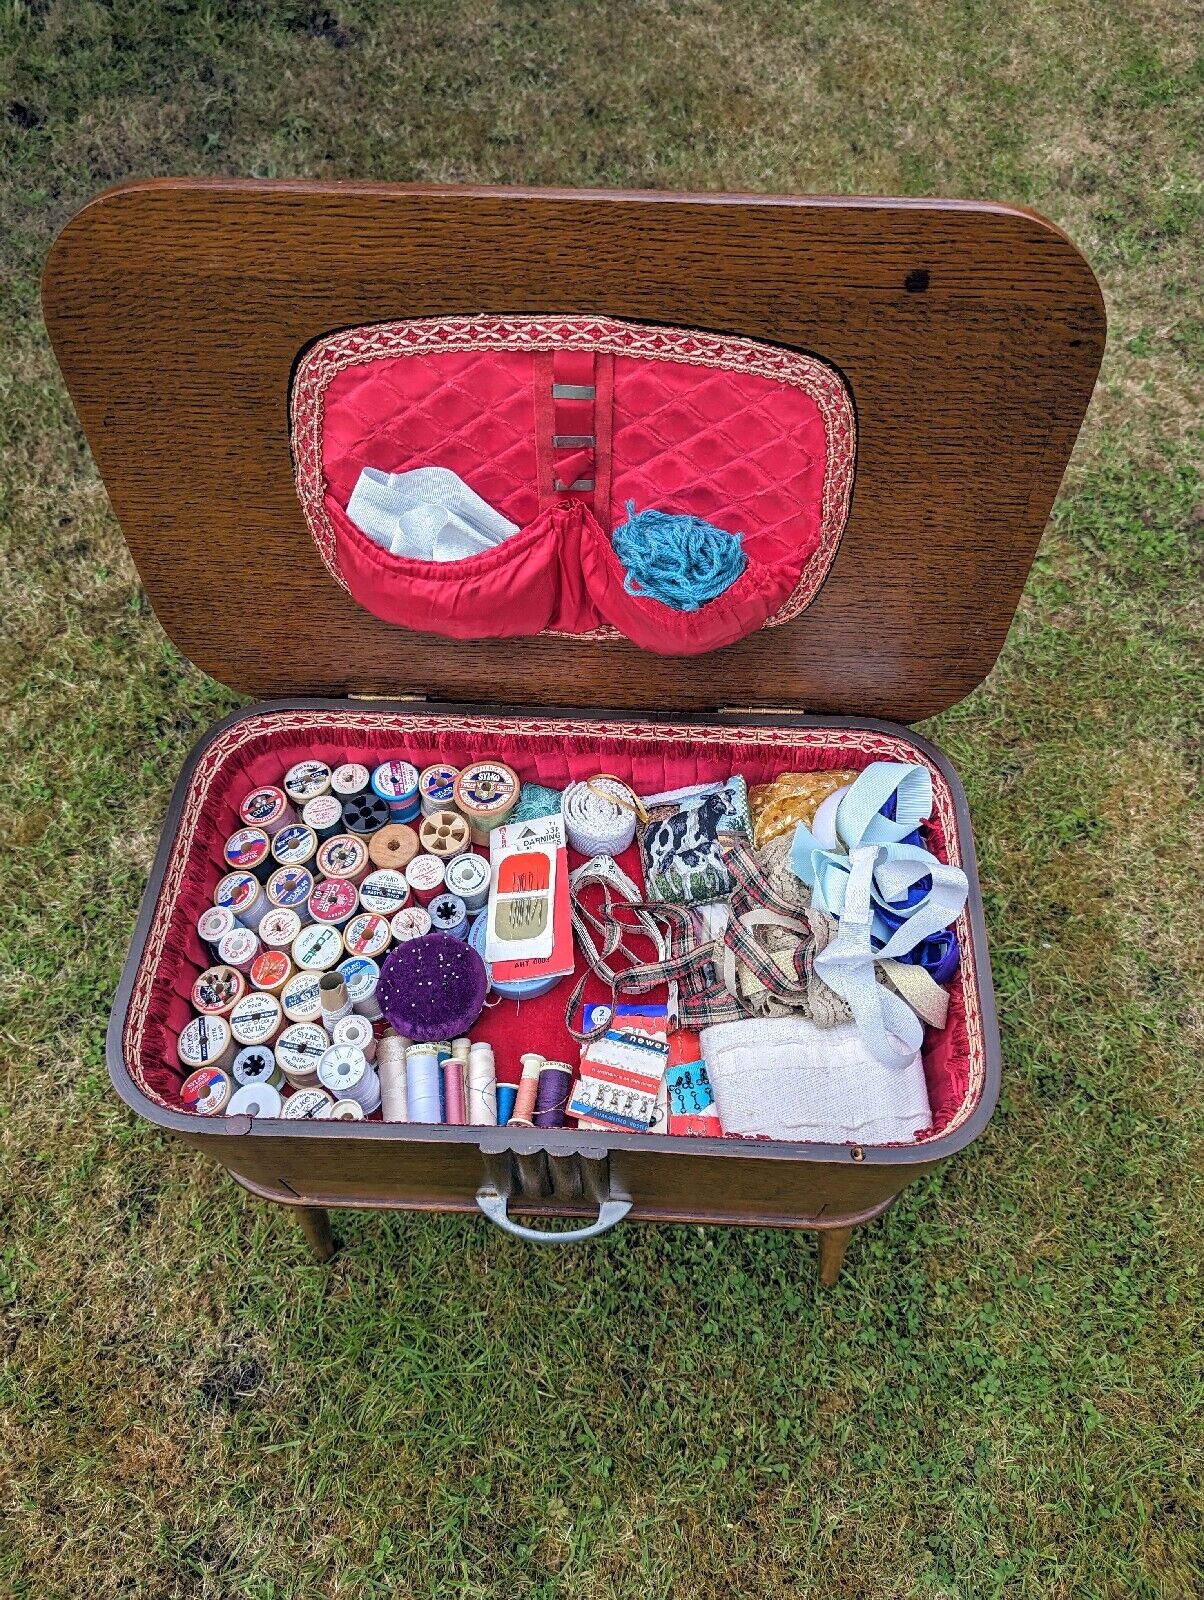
{"points": [[833, 1242], [315, 1225]]}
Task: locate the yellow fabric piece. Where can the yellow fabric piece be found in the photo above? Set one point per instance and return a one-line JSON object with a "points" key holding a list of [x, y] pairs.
{"points": [[793, 797]]}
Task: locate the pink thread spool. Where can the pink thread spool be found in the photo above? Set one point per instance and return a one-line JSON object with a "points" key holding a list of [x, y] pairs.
{"points": [[424, 874], [528, 1089]]}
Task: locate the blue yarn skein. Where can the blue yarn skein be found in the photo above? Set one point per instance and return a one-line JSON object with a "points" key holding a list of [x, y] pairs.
{"points": [[680, 560]]}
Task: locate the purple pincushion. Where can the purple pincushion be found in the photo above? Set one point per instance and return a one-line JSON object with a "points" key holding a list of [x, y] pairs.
{"points": [[432, 988]]}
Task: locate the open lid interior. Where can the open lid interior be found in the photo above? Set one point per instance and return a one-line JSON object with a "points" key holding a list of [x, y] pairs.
{"points": [[879, 396]]}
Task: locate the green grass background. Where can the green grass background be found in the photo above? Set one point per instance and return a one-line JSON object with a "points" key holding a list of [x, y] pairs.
{"points": [[1002, 1395]]}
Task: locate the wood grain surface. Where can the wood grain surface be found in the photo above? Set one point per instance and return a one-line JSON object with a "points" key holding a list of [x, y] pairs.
{"points": [[970, 336]]}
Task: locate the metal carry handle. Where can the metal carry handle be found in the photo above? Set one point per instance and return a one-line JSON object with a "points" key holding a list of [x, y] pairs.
{"points": [[496, 1208]]}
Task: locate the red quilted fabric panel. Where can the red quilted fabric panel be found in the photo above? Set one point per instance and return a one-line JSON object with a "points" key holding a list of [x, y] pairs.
{"points": [[755, 439]]}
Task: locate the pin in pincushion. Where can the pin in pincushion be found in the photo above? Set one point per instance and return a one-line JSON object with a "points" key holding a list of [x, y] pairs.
{"points": [[433, 987]]}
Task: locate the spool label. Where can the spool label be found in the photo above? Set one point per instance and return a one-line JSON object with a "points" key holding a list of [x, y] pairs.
{"points": [[307, 780], [214, 923], [447, 913], [307, 1105], [333, 900], [279, 928], [290, 886], [205, 1091], [301, 1047], [217, 990], [203, 1041], [301, 997], [424, 873], [342, 857], [347, 1111], [294, 845], [384, 891], [263, 807], [437, 785], [351, 778], [255, 1064], [487, 788], [237, 891], [395, 780], [342, 1068], [468, 876], [367, 935], [255, 1018], [361, 976], [239, 947], [410, 923], [270, 968], [352, 1030], [247, 848], [317, 947], [323, 812]]}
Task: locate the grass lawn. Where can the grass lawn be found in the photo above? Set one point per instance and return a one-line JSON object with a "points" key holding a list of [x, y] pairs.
{"points": [[1002, 1395]]}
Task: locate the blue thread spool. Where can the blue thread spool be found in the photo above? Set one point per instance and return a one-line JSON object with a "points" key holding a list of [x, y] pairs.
{"points": [[448, 915], [516, 989], [507, 1094], [397, 783], [681, 561]]}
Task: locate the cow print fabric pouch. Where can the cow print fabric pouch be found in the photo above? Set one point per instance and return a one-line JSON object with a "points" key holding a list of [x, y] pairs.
{"points": [[680, 848]]}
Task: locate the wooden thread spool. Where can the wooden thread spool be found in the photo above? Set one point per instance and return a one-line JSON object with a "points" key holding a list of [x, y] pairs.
{"points": [[395, 845]]}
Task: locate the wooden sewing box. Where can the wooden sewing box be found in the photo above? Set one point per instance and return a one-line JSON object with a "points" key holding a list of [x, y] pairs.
{"points": [[966, 337]]}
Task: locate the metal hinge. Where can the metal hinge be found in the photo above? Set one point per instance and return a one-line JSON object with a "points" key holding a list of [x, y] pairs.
{"points": [[762, 711], [385, 694]]}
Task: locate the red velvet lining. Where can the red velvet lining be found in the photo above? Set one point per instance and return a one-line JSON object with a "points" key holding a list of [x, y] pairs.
{"points": [[259, 748], [757, 440]]}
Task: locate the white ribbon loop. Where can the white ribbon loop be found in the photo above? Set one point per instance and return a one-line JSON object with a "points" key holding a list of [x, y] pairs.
{"points": [[429, 514]]}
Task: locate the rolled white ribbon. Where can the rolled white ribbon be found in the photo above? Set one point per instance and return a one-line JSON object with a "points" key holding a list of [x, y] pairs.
{"points": [[599, 816]]}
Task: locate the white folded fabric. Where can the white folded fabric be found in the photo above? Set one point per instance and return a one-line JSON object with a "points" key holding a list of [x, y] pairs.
{"points": [[429, 514], [788, 1079]]}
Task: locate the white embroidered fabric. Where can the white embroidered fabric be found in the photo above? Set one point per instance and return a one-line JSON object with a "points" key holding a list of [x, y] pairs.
{"points": [[429, 514], [786, 1078]]}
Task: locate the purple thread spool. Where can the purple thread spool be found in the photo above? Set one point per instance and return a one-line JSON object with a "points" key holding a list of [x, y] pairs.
{"points": [[552, 1094]]}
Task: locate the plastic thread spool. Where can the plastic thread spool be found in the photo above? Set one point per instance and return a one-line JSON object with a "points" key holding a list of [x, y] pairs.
{"points": [[384, 891], [507, 1094], [206, 1091], [255, 1019], [412, 922], [366, 815], [255, 1100], [444, 834], [468, 876], [299, 998], [453, 1070], [267, 808], [367, 935], [362, 975], [308, 1105], [299, 1049], [218, 990], [289, 888], [306, 781], [333, 902], [448, 915], [343, 856], [349, 780], [528, 1088], [317, 948], [324, 814], [437, 788], [552, 1093], [432, 988], [486, 794], [242, 893], [397, 783], [205, 1042], [346, 1111], [394, 846], [239, 948], [256, 1064], [295, 845], [424, 875], [333, 998], [356, 1030], [391, 1070], [348, 1076], [249, 850], [213, 923], [481, 1085], [516, 988], [270, 971], [422, 1084]]}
